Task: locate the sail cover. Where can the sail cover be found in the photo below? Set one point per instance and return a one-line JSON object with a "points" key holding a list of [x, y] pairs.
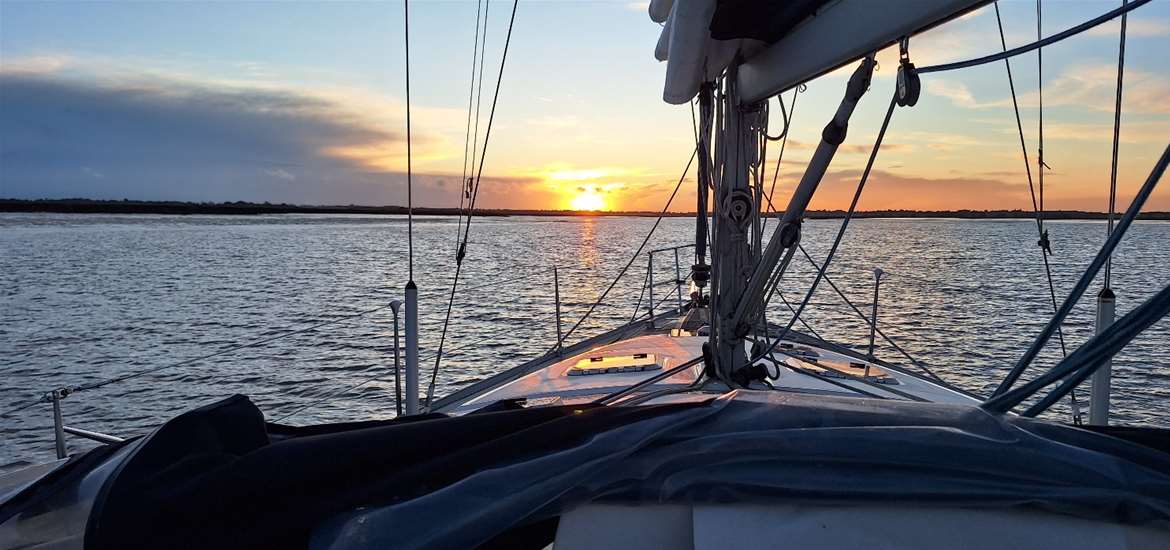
{"points": [[693, 54], [220, 477], [781, 43]]}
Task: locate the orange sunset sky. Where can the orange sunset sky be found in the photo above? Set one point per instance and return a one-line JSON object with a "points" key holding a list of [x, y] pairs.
{"points": [[304, 103]]}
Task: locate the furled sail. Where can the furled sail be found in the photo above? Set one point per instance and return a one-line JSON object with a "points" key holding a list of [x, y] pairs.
{"points": [[781, 43]]}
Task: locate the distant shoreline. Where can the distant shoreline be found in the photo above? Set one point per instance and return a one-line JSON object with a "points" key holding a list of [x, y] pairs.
{"points": [[240, 208]]}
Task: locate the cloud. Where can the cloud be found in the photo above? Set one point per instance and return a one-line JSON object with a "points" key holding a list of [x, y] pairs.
{"points": [[851, 148], [942, 141], [640, 7], [1144, 131], [39, 64], [164, 139], [280, 173], [559, 122], [956, 92], [1090, 87], [1134, 28], [1094, 87], [886, 190]]}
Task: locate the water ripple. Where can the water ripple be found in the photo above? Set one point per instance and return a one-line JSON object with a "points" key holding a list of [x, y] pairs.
{"points": [[87, 297]]}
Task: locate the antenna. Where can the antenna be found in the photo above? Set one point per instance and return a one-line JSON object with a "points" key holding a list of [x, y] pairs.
{"points": [[411, 288]]}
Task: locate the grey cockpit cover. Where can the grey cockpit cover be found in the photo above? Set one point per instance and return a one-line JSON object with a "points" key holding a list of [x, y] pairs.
{"points": [[761, 447]]}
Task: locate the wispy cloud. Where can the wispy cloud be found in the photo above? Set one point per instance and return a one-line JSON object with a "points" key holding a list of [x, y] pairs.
{"points": [[281, 173], [957, 92], [1143, 131], [95, 174], [850, 148], [562, 121], [887, 190], [1134, 28], [1091, 87], [1094, 86], [640, 7]]}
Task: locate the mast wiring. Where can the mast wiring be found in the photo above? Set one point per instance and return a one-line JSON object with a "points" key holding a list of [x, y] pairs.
{"points": [[1116, 143], [788, 115], [470, 183], [1090, 272], [471, 208], [409, 176], [844, 222], [470, 100], [1037, 205]]}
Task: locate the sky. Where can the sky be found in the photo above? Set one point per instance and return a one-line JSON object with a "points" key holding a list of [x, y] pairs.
{"points": [[305, 103]]}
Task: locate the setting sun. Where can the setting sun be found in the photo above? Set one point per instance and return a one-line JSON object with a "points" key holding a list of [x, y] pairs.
{"points": [[588, 200]]}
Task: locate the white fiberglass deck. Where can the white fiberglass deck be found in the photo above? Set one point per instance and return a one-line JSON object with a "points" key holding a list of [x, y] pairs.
{"points": [[555, 381], [571, 380]]}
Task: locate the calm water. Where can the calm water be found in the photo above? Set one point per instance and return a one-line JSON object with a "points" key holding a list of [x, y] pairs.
{"points": [[88, 297]]}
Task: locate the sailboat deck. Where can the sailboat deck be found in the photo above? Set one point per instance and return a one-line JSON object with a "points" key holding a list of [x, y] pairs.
{"points": [[556, 380], [810, 366]]}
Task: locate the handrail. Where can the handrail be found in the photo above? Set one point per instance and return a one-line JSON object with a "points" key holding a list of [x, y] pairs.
{"points": [[670, 248], [96, 436]]}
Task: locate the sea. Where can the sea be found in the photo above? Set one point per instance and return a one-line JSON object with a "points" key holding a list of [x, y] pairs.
{"points": [[166, 313]]}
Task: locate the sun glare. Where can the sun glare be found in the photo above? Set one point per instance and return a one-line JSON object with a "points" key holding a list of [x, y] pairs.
{"points": [[588, 200]]}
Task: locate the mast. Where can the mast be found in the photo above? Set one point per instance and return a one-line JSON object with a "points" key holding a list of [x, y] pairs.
{"points": [[730, 140], [736, 218], [701, 271], [741, 271]]}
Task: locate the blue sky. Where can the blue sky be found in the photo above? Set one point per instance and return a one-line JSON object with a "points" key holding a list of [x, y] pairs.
{"points": [[303, 102]]}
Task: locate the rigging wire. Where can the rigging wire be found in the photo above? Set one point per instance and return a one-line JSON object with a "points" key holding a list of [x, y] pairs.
{"points": [[409, 178], [863, 317], [641, 294], [470, 100], [1040, 165], [1071, 31], [1100, 348], [1037, 205], [1086, 359], [771, 207], [1090, 272], [637, 252], [657, 305], [1116, 142], [844, 222], [793, 310], [471, 209], [788, 114], [471, 185]]}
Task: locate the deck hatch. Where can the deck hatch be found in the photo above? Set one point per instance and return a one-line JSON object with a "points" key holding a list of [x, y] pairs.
{"points": [[613, 364]]}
